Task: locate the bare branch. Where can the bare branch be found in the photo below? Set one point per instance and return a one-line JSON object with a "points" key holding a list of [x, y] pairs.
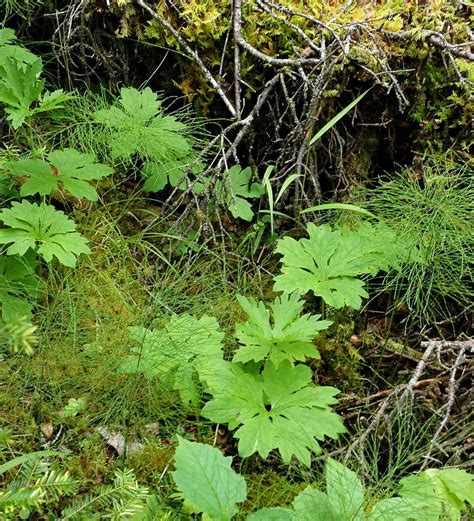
{"points": [[435, 38], [255, 52], [193, 54]]}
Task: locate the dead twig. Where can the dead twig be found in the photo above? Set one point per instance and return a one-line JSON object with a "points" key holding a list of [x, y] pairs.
{"points": [[193, 54]]}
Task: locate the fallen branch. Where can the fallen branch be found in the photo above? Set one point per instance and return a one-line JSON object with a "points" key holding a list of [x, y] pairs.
{"points": [[464, 345], [435, 38], [407, 391], [193, 54]]}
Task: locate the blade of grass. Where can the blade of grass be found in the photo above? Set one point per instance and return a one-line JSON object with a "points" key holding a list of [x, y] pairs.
{"points": [[336, 118], [339, 206]]}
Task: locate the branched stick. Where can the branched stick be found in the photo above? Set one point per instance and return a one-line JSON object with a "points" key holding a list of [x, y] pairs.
{"points": [[435, 38], [255, 52], [453, 344], [246, 123], [193, 54], [407, 391], [453, 385]]}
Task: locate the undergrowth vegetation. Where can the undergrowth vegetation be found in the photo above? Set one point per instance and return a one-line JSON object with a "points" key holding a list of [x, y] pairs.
{"points": [[176, 343]]}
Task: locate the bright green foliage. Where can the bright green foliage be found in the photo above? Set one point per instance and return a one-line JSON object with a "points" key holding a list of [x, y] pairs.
{"points": [[159, 175], [18, 285], [236, 189], [429, 496], [419, 499], [33, 485], [284, 336], [20, 88], [329, 261], [174, 354], [42, 228], [18, 334], [454, 487], [140, 128], [344, 491], [73, 408], [209, 485], [342, 501], [123, 499], [8, 49], [433, 217], [279, 409], [207, 481], [67, 167], [272, 514]]}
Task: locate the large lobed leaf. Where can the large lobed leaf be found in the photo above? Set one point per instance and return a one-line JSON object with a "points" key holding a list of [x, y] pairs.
{"points": [[330, 262], [68, 168], [20, 88], [185, 348], [140, 128], [207, 481], [281, 335], [42, 228], [279, 409], [21, 91], [9, 50]]}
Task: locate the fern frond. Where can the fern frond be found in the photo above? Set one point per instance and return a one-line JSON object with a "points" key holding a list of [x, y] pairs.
{"points": [[19, 496], [121, 500], [56, 484]]}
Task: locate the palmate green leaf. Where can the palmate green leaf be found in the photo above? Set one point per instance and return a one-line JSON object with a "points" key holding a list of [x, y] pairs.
{"points": [[312, 504], [457, 486], [207, 481], [21, 91], [51, 101], [186, 348], [42, 228], [236, 189], [157, 175], [428, 496], [342, 501], [283, 335], [8, 49], [140, 128], [20, 88], [67, 168], [419, 489], [279, 409], [330, 261], [18, 287]]}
